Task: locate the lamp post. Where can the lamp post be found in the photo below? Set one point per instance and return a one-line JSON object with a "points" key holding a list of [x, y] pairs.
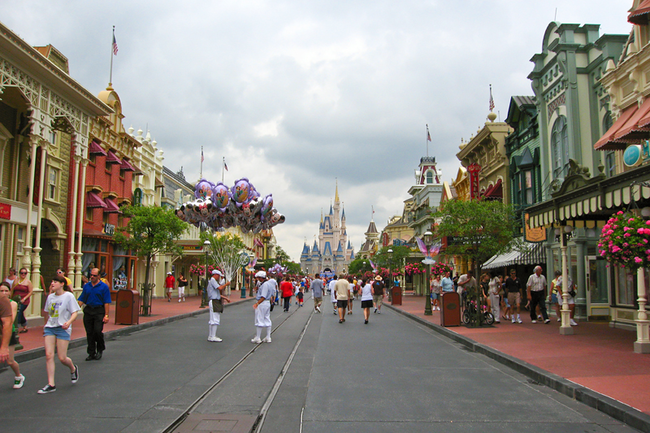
{"points": [[565, 327], [204, 298], [245, 260], [390, 275], [428, 238]]}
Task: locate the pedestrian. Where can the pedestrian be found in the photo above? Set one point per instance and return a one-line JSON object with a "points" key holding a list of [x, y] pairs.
{"points": [[378, 293], [8, 311], [286, 289], [342, 289], [96, 296], [216, 284], [536, 289], [447, 284], [23, 288], [494, 291], [352, 285], [571, 302], [436, 288], [554, 295], [332, 290], [60, 271], [317, 292], [514, 292], [11, 278], [366, 299], [170, 282], [300, 295], [61, 310], [467, 287], [182, 283], [262, 308]]}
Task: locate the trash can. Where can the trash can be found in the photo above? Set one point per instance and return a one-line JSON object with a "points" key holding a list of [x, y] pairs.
{"points": [[397, 296], [127, 307], [450, 310]]}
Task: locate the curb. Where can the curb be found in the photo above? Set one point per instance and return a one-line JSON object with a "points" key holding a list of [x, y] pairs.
{"points": [[111, 335], [614, 408]]}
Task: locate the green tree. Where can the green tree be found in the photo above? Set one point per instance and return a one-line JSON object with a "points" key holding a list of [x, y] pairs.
{"points": [[395, 259], [151, 230], [226, 252], [359, 266]]}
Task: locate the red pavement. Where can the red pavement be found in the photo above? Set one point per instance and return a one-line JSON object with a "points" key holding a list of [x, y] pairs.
{"points": [[596, 356], [160, 309]]}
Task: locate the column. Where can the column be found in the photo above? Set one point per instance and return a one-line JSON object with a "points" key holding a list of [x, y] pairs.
{"points": [[565, 327], [27, 247], [642, 343], [80, 223], [581, 293], [72, 271], [36, 256]]}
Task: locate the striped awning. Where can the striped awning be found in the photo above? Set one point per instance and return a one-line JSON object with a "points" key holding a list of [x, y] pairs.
{"points": [[532, 254]]}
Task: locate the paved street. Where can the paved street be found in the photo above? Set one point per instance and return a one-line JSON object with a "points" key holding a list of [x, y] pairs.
{"points": [[316, 376]]}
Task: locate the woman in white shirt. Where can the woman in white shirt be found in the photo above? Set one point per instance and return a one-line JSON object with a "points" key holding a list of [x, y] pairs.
{"points": [[60, 310], [366, 299], [494, 287]]}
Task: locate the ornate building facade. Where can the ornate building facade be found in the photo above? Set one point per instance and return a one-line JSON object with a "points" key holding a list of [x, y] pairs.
{"points": [[333, 251]]}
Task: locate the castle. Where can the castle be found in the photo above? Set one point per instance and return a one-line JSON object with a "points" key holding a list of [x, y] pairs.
{"points": [[332, 253]]}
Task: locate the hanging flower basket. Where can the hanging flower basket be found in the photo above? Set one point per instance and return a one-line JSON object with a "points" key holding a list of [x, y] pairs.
{"points": [[414, 269], [625, 241], [441, 268]]}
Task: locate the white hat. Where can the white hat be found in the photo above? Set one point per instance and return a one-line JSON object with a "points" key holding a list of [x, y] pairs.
{"points": [[169, 273], [260, 274], [216, 271]]}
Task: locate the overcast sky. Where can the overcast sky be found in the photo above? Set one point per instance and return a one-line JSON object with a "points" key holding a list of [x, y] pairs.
{"points": [[297, 94]]}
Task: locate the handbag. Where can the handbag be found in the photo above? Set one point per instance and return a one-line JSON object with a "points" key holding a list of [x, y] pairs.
{"points": [[217, 306], [572, 292]]}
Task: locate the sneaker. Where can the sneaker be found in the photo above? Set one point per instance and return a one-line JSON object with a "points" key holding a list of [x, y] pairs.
{"points": [[19, 381], [375, 311], [539, 317], [519, 320], [267, 340], [497, 321], [366, 322], [74, 376], [217, 340], [256, 340], [318, 309], [179, 299], [533, 321], [210, 338], [573, 323], [559, 319], [378, 311], [547, 321], [47, 389], [513, 320], [183, 298]]}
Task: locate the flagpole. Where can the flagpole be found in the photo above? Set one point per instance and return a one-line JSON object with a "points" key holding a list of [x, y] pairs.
{"points": [[223, 164], [110, 79], [201, 172]]}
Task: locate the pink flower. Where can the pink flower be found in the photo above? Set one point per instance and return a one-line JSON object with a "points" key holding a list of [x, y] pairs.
{"points": [[638, 259], [631, 220], [627, 235], [615, 249], [620, 212]]}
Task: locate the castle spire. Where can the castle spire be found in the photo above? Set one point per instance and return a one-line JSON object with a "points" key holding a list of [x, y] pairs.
{"points": [[336, 195]]}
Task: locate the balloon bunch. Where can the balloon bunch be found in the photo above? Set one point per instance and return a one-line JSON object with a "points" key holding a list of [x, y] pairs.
{"points": [[218, 206], [277, 269]]}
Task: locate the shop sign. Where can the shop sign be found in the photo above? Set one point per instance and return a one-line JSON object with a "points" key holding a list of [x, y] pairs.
{"points": [[5, 211], [473, 170], [109, 229]]}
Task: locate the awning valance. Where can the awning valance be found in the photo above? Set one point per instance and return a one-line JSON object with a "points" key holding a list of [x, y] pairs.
{"points": [[94, 201], [495, 191], [96, 149], [532, 254], [607, 141], [111, 207], [111, 158], [639, 15]]}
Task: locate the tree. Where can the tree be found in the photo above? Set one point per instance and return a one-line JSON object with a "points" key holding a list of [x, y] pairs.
{"points": [[478, 229], [226, 252], [151, 230]]}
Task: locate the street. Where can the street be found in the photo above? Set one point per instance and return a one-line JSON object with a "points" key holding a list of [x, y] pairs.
{"points": [[316, 376]]}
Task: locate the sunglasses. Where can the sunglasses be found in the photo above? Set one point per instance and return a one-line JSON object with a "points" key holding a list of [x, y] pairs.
{"points": [[94, 275], [23, 273]]}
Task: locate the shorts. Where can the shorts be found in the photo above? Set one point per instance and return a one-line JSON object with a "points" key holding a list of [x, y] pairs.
{"points": [[169, 289], [514, 299], [553, 298], [318, 301], [435, 295], [58, 332], [342, 303], [377, 299], [14, 339], [366, 304]]}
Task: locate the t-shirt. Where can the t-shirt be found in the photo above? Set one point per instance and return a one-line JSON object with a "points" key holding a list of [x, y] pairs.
{"points": [[379, 287], [286, 288], [60, 309], [213, 288], [317, 288], [366, 293], [513, 285], [342, 288]]}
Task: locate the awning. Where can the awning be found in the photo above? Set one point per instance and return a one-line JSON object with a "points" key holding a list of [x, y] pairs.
{"points": [[639, 16], [495, 191], [111, 158], [94, 201], [126, 166], [632, 131], [534, 254], [111, 207], [96, 149], [607, 142]]}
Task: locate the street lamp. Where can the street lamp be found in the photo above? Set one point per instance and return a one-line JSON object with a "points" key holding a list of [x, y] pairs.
{"points": [[390, 275], [204, 298], [565, 327], [428, 240]]}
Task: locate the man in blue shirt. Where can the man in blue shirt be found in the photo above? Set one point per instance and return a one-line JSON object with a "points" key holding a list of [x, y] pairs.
{"points": [[317, 292], [216, 284], [96, 296], [262, 307]]}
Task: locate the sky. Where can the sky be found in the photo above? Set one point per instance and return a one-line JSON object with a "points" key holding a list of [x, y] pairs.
{"points": [[299, 96]]}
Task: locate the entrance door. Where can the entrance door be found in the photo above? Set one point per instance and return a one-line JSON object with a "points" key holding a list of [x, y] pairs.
{"points": [[597, 292]]}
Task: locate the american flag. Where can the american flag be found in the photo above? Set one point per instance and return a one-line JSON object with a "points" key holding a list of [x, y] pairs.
{"points": [[225, 165], [491, 99], [428, 135], [202, 159], [114, 46]]}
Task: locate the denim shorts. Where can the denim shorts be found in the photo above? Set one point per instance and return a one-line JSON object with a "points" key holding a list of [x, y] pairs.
{"points": [[58, 332]]}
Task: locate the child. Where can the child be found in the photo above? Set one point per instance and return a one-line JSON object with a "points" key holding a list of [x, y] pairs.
{"points": [[300, 296]]}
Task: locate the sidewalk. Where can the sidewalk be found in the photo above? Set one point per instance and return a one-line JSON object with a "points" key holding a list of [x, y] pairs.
{"points": [[596, 357], [161, 311]]}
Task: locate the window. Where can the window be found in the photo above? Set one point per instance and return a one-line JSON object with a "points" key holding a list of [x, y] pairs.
{"points": [[528, 187], [52, 181], [89, 214], [610, 163], [560, 147], [429, 176]]}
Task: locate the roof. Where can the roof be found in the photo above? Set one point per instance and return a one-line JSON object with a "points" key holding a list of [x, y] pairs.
{"points": [[178, 178], [372, 228], [639, 15]]}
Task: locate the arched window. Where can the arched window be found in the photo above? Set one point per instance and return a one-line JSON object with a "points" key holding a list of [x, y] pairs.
{"points": [[560, 147]]}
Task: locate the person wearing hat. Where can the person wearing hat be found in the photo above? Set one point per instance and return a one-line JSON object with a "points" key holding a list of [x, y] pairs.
{"points": [[170, 282], [215, 285], [378, 293], [262, 307]]}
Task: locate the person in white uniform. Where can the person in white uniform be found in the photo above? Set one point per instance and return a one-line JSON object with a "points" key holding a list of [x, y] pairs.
{"points": [[262, 307], [216, 284]]}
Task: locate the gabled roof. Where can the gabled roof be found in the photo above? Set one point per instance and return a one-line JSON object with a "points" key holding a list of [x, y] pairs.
{"points": [[372, 228]]}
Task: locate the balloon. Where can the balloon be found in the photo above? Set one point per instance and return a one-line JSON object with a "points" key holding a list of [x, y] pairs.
{"points": [[203, 189], [221, 196]]}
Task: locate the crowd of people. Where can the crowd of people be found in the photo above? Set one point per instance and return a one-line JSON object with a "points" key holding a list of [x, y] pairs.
{"points": [[504, 297]]}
